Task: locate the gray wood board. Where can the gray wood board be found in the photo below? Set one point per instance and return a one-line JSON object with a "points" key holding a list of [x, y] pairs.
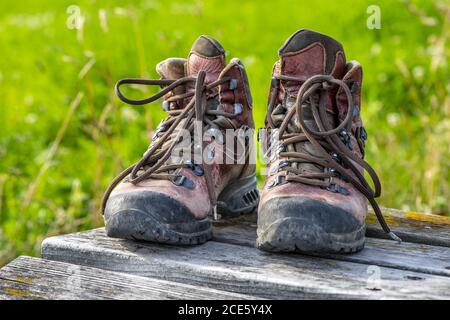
{"points": [[412, 227], [33, 278], [245, 270], [387, 253]]}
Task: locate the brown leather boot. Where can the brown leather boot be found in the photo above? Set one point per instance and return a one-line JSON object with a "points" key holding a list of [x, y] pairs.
{"points": [[169, 195], [315, 196]]}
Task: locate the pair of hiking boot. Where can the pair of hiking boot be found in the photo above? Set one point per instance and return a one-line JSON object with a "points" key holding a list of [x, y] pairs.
{"points": [[315, 195]]}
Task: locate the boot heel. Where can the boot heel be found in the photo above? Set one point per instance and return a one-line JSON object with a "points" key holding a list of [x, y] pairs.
{"points": [[238, 198]]}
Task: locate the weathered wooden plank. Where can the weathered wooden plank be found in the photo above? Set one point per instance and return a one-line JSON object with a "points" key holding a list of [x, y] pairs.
{"points": [[407, 256], [412, 227], [245, 270], [32, 278], [387, 253]]}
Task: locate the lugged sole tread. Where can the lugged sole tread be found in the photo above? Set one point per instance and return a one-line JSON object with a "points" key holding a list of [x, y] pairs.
{"points": [[311, 239]]}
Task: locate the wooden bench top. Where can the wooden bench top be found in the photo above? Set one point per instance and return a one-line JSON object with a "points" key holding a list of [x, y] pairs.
{"points": [[34, 278], [231, 267]]}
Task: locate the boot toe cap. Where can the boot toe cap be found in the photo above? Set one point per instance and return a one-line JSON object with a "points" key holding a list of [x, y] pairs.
{"points": [[307, 225], [153, 216]]}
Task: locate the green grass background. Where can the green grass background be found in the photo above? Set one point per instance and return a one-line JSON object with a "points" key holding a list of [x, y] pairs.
{"points": [[58, 155]]}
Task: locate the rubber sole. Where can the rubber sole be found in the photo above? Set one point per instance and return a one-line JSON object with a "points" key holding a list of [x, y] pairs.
{"points": [[294, 235], [240, 197], [139, 225], [158, 218]]}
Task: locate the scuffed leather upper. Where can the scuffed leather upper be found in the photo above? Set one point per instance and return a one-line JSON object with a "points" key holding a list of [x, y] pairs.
{"points": [[206, 55], [306, 58]]}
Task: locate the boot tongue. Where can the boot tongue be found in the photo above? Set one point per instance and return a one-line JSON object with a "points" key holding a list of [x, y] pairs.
{"points": [[172, 69], [206, 55], [305, 54]]}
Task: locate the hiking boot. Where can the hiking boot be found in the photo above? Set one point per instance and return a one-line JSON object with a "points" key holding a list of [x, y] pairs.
{"points": [[315, 196], [170, 194]]}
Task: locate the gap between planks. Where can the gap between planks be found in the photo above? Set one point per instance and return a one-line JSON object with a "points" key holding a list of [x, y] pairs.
{"points": [[28, 278], [245, 270]]}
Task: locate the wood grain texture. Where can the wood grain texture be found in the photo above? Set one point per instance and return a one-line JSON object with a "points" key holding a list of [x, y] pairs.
{"points": [[244, 269], [387, 253], [29, 278], [412, 227]]}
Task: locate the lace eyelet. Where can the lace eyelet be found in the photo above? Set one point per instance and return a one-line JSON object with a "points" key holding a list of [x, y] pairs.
{"points": [[363, 133], [344, 134], [283, 164], [160, 128], [198, 171], [279, 180], [346, 138], [280, 166], [352, 85], [237, 108], [233, 84], [336, 188], [180, 180], [336, 157]]}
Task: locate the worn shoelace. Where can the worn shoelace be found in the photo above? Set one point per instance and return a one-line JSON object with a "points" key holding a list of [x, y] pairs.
{"points": [[326, 140], [153, 164]]}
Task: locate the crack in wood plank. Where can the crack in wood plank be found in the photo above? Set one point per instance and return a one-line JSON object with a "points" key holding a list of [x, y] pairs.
{"points": [[243, 269]]}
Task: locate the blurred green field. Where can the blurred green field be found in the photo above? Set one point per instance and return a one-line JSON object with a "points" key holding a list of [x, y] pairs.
{"points": [[64, 135]]}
